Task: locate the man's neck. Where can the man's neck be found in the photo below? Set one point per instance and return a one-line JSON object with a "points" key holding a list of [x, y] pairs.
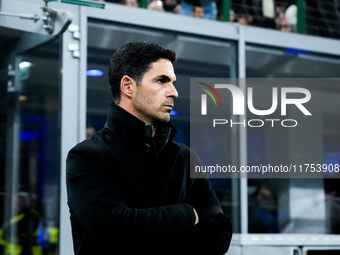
{"points": [[130, 109]]}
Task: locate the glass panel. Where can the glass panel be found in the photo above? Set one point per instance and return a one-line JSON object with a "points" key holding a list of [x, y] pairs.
{"points": [[295, 205], [31, 220], [197, 57], [264, 62]]}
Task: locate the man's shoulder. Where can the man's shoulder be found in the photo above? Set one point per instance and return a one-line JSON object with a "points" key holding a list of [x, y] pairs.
{"points": [[92, 149], [91, 145], [185, 150], [89, 153], [182, 147]]}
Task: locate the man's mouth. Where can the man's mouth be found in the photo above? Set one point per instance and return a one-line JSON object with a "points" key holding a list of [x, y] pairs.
{"points": [[170, 106]]}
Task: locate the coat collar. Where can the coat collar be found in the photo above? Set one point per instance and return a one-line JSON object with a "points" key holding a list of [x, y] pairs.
{"points": [[118, 118]]}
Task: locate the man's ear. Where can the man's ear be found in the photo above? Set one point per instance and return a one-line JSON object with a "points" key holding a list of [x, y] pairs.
{"points": [[127, 86]]}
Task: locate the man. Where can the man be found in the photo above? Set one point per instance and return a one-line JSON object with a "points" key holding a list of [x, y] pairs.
{"points": [[90, 130], [197, 11], [129, 185], [19, 236]]}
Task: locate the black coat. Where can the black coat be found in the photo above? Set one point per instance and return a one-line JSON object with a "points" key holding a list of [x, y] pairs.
{"points": [[131, 193]]}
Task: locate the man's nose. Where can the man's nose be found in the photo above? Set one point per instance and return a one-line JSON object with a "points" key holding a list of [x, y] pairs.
{"points": [[173, 92]]}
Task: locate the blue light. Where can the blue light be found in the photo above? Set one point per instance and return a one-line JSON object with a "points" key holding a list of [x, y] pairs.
{"points": [[296, 52], [94, 73], [173, 113], [28, 136]]}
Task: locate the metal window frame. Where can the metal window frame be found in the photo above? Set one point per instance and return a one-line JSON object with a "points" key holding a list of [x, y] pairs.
{"points": [[72, 118]]}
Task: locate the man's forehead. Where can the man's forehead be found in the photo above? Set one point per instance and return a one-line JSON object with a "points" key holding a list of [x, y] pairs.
{"points": [[162, 62], [163, 67]]}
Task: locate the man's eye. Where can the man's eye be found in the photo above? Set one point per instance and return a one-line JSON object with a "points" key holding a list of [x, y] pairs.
{"points": [[161, 81]]}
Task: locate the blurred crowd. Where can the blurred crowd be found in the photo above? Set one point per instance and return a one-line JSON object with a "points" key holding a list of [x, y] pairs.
{"points": [[281, 15], [286, 18]]}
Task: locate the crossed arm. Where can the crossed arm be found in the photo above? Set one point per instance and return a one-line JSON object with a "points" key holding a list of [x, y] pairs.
{"points": [[100, 209]]}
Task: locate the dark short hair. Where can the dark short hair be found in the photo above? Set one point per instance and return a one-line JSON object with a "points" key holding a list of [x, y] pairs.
{"points": [[134, 59]]}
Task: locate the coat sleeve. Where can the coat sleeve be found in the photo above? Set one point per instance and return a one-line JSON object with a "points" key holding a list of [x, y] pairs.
{"points": [[100, 209], [214, 231]]}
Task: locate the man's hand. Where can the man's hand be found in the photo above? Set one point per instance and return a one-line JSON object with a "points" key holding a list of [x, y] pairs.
{"points": [[197, 219]]}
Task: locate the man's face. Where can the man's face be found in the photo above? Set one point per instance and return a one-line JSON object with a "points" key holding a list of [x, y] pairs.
{"points": [[154, 97], [198, 12]]}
